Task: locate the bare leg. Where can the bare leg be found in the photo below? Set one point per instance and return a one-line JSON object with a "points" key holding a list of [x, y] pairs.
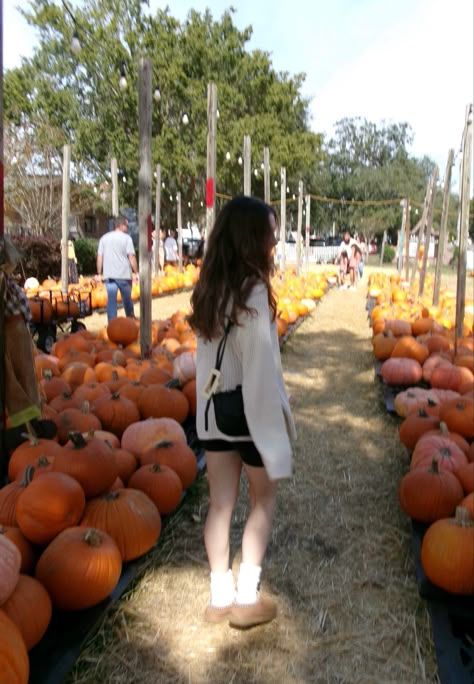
{"points": [[223, 474], [259, 524]]}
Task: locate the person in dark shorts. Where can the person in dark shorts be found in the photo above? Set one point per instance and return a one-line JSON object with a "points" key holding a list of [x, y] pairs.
{"points": [[234, 284]]}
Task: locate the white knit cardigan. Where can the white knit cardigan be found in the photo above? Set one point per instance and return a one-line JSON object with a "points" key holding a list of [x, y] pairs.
{"points": [[252, 359]]}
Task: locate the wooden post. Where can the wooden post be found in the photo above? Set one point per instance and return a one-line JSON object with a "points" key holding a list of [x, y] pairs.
{"points": [[420, 226], [180, 232], [407, 238], [156, 256], [384, 240], [307, 229], [211, 157], [300, 224], [463, 225], [443, 227], [266, 175], [283, 222], [429, 224], [3, 452], [401, 238], [115, 202], [65, 217], [144, 202], [247, 166]]}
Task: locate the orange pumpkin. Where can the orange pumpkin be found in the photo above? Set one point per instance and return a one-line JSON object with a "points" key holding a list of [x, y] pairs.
{"points": [[176, 455], [161, 483], [123, 330], [143, 434], [14, 656], [30, 608], [79, 568]]}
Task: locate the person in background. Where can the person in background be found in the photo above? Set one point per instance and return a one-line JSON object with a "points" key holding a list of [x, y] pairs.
{"points": [[363, 254], [343, 269], [234, 284], [354, 261], [170, 247], [116, 262]]}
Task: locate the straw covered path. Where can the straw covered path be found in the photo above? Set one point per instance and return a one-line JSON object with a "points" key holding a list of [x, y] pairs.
{"points": [[339, 561]]}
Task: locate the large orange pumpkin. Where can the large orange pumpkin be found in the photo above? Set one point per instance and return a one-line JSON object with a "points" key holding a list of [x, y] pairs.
{"points": [[88, 460], [14, 661], [79, 568], [142, 435], [30, 608], [129, 517], [123, 330], [447, 553], [428, 494]]}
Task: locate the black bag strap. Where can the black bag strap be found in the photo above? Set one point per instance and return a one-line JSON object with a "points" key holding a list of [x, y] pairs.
{"points": [[217, 366]]}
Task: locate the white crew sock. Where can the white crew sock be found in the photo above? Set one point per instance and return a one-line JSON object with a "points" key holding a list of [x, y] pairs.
{"points": [[222, 589], [247, 583]]}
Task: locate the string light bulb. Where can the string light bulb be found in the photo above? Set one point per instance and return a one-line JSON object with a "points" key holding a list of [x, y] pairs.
{"points": [[240, 161], [227, 156], [75, 43], [157, 95], [123, 79], [185, 119]]}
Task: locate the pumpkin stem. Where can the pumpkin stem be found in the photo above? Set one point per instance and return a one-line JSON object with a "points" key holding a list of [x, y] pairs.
{"points": [[173, 383], [85, 408], [33, 439], [422, 413], [445, 451], [92, 537], [47, 373], [443, 428], [463, 517], [164, 444], [43, 461], [115, 376], [432, 402], [77, 438], [156, 468], [27, 476], [435, 466], [110, 496]]}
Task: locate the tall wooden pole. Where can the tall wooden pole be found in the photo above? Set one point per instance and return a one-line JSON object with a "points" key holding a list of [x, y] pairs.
{"points": [[300, 224], [382, 249], [65, 217], [3, 451], [407, 238], [463, 225], [157, 241], [114, 173], [443, 227], [429, 225], [266, 174], [401, 238], [421, 230], [180, 232], [247, 165], [283, 222], [307, 230], [144, 202], [211, 157]]}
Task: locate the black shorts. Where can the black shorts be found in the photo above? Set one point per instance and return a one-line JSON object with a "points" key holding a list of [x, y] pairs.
{"points": [[247, 450]]}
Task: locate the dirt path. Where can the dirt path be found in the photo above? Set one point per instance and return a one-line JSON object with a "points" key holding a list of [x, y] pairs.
{"points": [[339, 562]]}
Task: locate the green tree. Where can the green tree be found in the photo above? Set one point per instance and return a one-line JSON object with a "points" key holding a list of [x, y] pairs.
{"points": [[80, 96]]}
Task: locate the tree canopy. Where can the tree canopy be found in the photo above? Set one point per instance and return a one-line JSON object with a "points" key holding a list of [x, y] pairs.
{"points": [[79, 98]]}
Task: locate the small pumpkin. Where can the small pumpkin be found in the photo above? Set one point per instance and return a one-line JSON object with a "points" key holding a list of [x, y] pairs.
{"points": [[458, 414], [115, 413], [28, 452], [428, 494], [10, 563], [159, 401], [449, 456], [176, 455], [408, 348], [161, 483], [447, 553], [14, 659], [184, 367], [76, 420], [30, 608], [123, 330], [465, 475], [24, 546], [401, 371], [90, 461], [79, 568], [414, 426], [143, 434], [129, 517], [48, 505]]}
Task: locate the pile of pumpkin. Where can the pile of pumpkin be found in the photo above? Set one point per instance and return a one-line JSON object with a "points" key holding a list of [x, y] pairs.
{"points": [[435, 400], [47, 301]]}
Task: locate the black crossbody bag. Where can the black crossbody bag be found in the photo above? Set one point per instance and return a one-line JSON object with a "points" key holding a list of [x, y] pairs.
{"points": [[228, 406]]}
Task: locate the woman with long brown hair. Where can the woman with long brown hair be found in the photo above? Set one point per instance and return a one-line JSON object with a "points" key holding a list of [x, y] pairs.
{"points": [[233, 298]]}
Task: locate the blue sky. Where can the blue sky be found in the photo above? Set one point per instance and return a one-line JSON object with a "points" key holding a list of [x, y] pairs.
{"points": [[405, 60]]}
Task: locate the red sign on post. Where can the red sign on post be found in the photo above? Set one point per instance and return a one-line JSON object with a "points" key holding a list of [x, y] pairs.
{"points": [[210, 193]]}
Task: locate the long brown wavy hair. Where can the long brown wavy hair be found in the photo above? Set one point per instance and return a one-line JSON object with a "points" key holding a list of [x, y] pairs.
{"points": [[238, 255]]}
